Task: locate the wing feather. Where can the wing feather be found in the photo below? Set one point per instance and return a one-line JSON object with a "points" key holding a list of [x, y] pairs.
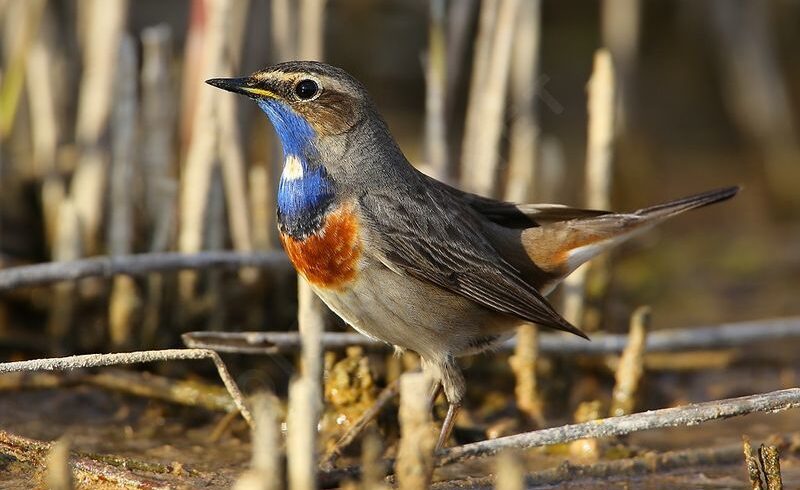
{"points": [[430, 235]]}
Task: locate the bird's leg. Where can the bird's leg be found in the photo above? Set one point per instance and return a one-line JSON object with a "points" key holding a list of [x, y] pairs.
{"points": [[448, 424], [434, 394], [454, 387]]}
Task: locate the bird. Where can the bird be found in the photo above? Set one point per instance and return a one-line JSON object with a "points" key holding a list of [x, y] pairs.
{"points": [[404, 258]]}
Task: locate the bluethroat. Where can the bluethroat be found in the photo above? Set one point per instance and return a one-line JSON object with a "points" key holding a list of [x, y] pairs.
{"points": [[402, 257]]}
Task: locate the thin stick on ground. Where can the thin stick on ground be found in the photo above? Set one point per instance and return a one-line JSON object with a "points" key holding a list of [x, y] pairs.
{"points": [[358, 427], [135, 265], [722, 336], [99, 360], [688, 415]]}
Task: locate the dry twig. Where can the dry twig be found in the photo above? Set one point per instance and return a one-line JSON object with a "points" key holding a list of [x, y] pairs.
{"points": [[359, 425], [722, 336], [98, 360], [688, 415], [135, 265]]}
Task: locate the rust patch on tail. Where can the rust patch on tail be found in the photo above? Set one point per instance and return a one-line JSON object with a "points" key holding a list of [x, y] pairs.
{"points": [[329, 257], [551, 249]]}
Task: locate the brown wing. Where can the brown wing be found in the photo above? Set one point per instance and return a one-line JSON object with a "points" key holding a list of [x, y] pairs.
{"points": [[426, 233], [512, 215]]}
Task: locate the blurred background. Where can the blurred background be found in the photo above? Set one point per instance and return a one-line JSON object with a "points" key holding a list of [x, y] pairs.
{"points": [[103, 105], [111, 144]]}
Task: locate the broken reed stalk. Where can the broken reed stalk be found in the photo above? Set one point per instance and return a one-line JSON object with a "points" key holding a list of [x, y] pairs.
{"points": [[67, 247], [28, 17], [620, 25], [138, 357], [311, 29], [372, 467], [106, 24], [487, 17], [311, 312], [763, 467], [125, 301], [599, 157], [524, 128], [284, 35], [265, 472], [59, 475], [202, 152], [157, 130], [415, 460], [482, 134], [436, 147], [301, 443], [523, 364], [133, 265], [722, 336], [44, 120], [631, 365], [357, 428], [771, 466], [751, 464], [158, 117], [688, 415], [510, 471], [230, 148]]}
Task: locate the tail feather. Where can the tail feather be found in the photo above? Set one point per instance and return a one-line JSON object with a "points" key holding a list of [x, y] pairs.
{"points": [[678, 206], [559, 248]]}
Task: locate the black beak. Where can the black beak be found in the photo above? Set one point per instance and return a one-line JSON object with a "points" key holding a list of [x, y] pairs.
{"points": [[236, 85]]}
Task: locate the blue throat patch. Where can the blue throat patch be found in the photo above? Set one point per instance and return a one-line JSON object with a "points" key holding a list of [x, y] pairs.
{"points": [[303, 200]]}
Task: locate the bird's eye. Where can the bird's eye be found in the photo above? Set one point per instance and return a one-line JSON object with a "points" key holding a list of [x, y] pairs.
{"points": [[306, 89]]}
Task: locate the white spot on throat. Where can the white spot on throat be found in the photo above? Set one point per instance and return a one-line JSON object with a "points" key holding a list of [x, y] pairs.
{"points": [[292, 168]]}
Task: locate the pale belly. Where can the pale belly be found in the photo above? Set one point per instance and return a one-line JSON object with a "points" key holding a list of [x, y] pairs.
{"points": [[408, 313]]}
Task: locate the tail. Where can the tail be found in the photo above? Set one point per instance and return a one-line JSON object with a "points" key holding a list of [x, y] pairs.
{"points": [[559, 248], [673, 208]]}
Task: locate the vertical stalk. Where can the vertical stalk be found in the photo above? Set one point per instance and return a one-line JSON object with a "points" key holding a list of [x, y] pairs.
{"points": [[125, 300], [524, 130], [599, 158], [436, 148], [481, 150], [106, 23]]}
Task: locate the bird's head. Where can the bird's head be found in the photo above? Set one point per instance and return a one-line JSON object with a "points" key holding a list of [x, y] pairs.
{"points": [[307, 102]]}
